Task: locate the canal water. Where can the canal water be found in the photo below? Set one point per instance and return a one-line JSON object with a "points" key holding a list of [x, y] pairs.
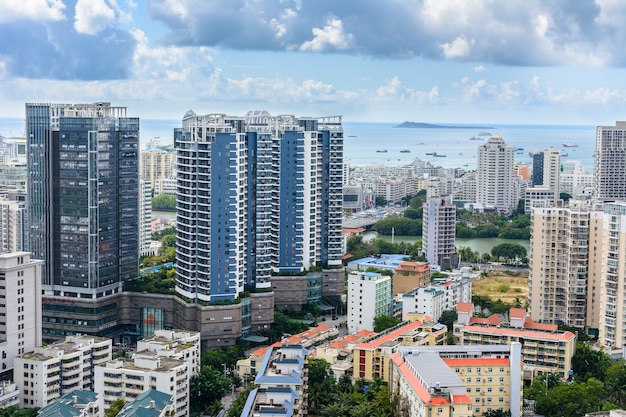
{"points": [[478, 245]]}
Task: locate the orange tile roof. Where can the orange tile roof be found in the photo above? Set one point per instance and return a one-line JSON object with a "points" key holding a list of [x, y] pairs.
{"points": [[476, 361], [517, 313], [464, 307], [372, 344], [530, 324], [462, 399], [347, 230], [529, 334], [493, 320]]}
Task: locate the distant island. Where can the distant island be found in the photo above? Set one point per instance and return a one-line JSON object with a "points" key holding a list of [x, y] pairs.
{"points": [[418, 125]]}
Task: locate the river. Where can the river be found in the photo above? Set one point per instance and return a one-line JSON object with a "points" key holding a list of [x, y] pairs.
{"points": [[171, 215], [478, 245]]}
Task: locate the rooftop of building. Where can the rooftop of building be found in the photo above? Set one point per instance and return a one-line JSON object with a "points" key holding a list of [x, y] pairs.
{"points": [[259, 403], [66, 406], [390, 335], [146, 361], [148, 404], [270, 371], [408, 266]]}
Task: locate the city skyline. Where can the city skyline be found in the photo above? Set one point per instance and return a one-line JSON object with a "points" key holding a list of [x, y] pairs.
{"points": [[445, 61]]}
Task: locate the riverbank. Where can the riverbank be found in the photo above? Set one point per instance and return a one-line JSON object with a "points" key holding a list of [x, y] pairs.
{"points": [[480, 245]]}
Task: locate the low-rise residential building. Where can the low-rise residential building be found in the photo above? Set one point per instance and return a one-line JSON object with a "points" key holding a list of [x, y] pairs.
{"points": [[388, 262], [410, 275], [78, 403], [545, 348], [9, 394], [457, 381], [435, 299], [151, 403], [51, 371], [129, 378], [371, 357], [174, 344], [281, 384]]}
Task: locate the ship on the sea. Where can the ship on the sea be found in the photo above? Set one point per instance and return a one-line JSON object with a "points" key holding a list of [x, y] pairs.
{"points": [[476, 138], [405, 151], [570, 145], [484, 134], [382, 151], [437, 155]]}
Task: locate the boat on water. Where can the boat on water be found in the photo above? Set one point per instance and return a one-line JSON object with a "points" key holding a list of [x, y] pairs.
{"points": [[405, 151], [437, 155], [563, 153], [382, 151], [475, 138], [484, 134], [421, 143], [352, 136], [570, 145], [430, 153]]}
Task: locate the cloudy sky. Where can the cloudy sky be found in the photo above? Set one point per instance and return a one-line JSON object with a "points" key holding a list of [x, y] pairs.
{"points": [[514, 61]]}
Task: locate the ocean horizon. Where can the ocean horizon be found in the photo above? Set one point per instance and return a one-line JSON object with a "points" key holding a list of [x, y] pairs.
{"points": [[375, 143]]}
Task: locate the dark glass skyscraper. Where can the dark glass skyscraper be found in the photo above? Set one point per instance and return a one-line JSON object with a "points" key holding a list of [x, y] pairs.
{"points": [[83, 210]]}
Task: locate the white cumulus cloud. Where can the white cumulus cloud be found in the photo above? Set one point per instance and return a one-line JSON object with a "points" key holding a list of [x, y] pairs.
{"points": [[92, 16], [331, 36], [36, 10]]}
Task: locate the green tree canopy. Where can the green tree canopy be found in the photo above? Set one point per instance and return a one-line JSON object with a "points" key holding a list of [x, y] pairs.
{"points": [[385, 322], [589, 363], [164, 202], [448, 317], [509, 251]]}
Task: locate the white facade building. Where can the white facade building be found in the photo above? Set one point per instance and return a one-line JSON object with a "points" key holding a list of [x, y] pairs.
{"points": [[52, 371], [129, 378], [547, 192], [438, 231], [20, 308], [494, 175], [435, 299], [574, 180], [12, 225], [610, 160], [145, 217], [369, 297], [174, 344]]}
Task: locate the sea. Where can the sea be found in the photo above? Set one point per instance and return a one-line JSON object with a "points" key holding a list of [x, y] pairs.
{"points": [[373, 143]]}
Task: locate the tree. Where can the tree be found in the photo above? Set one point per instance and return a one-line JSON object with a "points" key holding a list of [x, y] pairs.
{"points": [[589, 363], [207, 386], [164, 202], [448, 317], [509, 251], [615, 383], [236, 408], [115, 408], [322, 387], [385, 322], [572, 400]]}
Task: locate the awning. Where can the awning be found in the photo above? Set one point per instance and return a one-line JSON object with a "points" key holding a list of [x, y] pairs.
{"points": [[325, 307], [255, 338]]}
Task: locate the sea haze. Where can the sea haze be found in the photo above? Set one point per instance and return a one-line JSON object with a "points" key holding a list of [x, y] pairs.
{"points": [[363, 140]]}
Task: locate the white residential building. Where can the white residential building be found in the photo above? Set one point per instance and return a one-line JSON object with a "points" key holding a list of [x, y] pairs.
{"points": [[438, 231], [435, 299], [20, 306], [174, 344], [52, 371], [281, 384], [129, 378], [369, 297], [12, 225], [494, 175], [145, 217], [610, 160], [574, 180]]}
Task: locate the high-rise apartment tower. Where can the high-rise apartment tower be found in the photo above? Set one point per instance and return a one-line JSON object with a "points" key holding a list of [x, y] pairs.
{"points": [[257, 195]]}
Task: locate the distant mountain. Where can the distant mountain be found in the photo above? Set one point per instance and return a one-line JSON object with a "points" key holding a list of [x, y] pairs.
{"points": [[419, 125]]}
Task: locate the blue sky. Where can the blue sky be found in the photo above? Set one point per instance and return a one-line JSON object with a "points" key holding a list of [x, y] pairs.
{"points": [[472, 61]]}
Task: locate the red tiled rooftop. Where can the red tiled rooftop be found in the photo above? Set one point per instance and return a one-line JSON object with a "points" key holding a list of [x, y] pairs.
{"points": [[530, 324], [464, 307], [517, 313], [492, 320], [413, 266], [390, 336]]}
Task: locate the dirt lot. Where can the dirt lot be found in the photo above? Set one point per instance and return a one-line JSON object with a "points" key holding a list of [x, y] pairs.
{"points": [[502, 284]]}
